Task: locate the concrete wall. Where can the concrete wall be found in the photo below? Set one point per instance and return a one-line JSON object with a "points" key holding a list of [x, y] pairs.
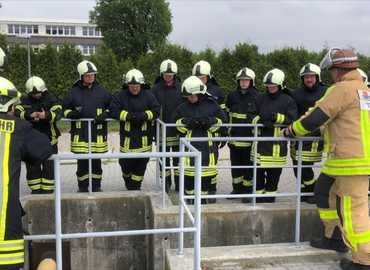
{"points": [[101, 212], [222, 225]]}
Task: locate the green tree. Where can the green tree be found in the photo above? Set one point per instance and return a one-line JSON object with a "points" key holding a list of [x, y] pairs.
{"points": [[108, 68], [131, 28], [69, 57], [46, 66]]}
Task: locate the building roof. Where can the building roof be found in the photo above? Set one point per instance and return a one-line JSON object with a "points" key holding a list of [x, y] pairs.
{"points": [[47, 21]]}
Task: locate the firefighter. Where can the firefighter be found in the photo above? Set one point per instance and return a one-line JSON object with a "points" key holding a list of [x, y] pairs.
{"points": [[341, 189], [167, 90], [242, 105], [276, 106], [42, 110], [88, 99], [199, 116], [305, 97], [202, 70], [136, 108], [18, 141]]}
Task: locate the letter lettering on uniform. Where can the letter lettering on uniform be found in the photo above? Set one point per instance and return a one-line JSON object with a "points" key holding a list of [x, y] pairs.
{"points": [[7, 126]]}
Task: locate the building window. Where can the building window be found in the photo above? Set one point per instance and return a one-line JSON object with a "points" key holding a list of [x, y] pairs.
{"points": [[10, 29], [16, 29], [73, 31], [48, 30], [35, 29]]}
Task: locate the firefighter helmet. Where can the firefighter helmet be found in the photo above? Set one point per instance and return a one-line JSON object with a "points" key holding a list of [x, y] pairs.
{"points": [[202, 68], [274, 76], [35, 85], [247, 74], [193, 86], [47, 264], [8, 95], [168, 66], [310, 69], [134, 76], [2, 58], [363, 75], [339, 58], [86, 67]]}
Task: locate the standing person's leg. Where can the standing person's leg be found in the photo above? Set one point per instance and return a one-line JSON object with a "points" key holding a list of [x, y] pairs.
{"points": [[34, 178], [272, 182], [248, 172], [126, 172], [353, 211], [138, 172], [326, 201], [236, 174], [47, 181], [261, 183], [175, 162], [189, 187], [97, 174], [307, 180], [83, 175]]}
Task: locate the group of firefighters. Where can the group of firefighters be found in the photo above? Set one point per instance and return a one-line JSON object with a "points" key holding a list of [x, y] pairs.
{"points": [[198, 106]]}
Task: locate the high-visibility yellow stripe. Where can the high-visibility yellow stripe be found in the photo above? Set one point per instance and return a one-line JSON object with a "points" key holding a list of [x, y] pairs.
{"points": [[299, 129], [237, 180], [309, 182], [123, 115], [328, 214], [182, 129], [5, 185], [47, 181], [365, 132], [137, 178], [149, 114], [238, 115], [216, 126], [66, 112]]}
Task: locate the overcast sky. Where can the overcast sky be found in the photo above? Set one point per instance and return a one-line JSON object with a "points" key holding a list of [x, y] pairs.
{"points": [[198, 24]]}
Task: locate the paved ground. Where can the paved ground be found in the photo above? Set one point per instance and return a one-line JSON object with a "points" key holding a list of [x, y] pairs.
{"points": [[112, 179]]}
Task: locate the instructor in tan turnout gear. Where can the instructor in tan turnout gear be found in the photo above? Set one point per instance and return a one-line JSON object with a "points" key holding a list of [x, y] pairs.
{"points": [[341, 190]]}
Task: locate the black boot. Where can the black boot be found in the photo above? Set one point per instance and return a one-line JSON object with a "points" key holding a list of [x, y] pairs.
{"points": [[211, 200], [334, 243], [308, 199], [233, 193], [346, 264], [328, 243]]}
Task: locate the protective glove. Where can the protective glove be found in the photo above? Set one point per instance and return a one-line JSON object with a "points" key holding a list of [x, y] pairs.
{"points": [[288, 132], [190, 123], [100, 119], [74, 115], [207, 122]]}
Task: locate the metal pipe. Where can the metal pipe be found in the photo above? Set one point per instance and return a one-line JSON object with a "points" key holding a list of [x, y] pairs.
{"points": [[29, 55], [198, 209], [90, 161], [254, 184], [157, 160], [298, 191], [58, 215], [180, 250], [164, 166]]}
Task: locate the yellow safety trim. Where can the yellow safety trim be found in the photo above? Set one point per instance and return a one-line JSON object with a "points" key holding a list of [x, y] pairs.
{"points": [[280, 118], [328, 214], [149, 114], [47, 181], [238, 180], [47, 187], [299, 129], [5, 180], [180, 128], [78, 124], [66, 112], [309, 182], [216, 126], [12, 258], [136, 150], [223, 106], [260, 191], [137, 178], [34, 181], [123, 115], [238, 115], [353, 238], [247, 183], [365, 133], [240, 144]]}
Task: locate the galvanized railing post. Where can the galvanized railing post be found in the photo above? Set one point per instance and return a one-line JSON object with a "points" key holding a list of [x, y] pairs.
{"points": [[180, 250], [197, 211], [58, 215], [254, 185], [157, 148], [298, 190], [164, 127], [90, 161]]}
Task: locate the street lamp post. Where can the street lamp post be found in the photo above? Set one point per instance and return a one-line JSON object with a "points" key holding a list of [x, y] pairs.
{"points": [[28, 37]]}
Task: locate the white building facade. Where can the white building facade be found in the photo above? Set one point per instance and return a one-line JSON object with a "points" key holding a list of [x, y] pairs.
{"points": [[84, 36]]}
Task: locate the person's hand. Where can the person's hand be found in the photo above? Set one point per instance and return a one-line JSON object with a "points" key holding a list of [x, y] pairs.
{"points": [[34, 115], [288, 132], [42, 115]]}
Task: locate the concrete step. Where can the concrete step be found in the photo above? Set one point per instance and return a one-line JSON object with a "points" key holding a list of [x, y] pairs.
{"points": [[288, 256]]}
